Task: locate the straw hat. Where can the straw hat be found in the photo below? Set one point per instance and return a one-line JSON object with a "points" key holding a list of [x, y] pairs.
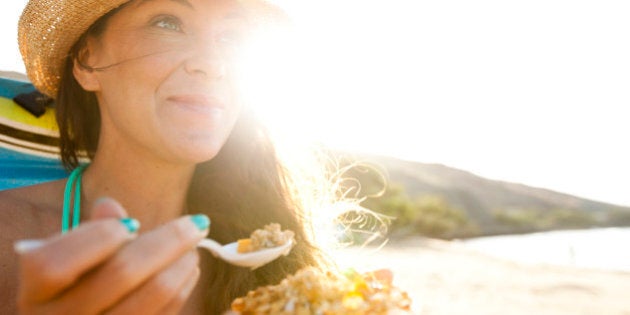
{"points": [[49, 28]]}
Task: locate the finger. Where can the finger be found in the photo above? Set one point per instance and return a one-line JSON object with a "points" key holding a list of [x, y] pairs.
{"points": [[103, 208], [134, 264], [57, 263], [177, 303], [160, 290], [107, 208]]}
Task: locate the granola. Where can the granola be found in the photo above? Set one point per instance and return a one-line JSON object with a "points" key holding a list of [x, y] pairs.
{"points": [[270, 236], [311, 291]]}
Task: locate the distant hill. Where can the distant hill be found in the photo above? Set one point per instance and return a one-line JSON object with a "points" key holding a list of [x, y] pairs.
{"points": [[497, 207]]}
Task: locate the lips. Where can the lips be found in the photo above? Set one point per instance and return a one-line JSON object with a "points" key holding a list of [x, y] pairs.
{"points": [[199, 103]]}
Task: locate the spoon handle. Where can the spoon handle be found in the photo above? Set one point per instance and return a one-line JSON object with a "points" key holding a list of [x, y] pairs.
{"points": [[211, 245]]}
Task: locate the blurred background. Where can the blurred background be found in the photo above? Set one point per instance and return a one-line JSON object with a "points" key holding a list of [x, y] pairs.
{"points": [[500, 127]]}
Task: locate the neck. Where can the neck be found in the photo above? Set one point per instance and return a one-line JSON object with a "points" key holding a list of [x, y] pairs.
{"points": [[152, 192]]}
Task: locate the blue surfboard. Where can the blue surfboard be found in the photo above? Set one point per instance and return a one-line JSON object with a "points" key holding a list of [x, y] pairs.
{"points": [[29, 151]]}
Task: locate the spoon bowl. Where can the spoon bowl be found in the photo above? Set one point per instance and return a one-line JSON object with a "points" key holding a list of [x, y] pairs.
{"points": [[253, 260]]}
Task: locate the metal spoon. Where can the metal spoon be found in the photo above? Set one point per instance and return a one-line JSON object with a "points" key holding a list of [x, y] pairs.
{"points": [[252, 260]]}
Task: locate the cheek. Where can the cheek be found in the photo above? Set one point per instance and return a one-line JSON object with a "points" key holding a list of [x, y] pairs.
{"points": [[129, 97], [137, 60], [136, 80]]}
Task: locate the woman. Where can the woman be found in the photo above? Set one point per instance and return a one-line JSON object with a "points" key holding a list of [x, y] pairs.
{"points": [[146, 89]]}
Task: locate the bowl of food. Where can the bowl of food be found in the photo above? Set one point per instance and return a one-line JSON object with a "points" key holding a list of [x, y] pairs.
{"points": [[313, 291]]}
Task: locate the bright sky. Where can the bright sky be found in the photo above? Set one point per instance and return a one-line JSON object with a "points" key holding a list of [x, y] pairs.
{"points": [[524, 91]]}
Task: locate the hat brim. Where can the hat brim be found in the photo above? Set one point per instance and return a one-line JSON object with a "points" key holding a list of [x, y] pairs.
{"points": [[48, 29]]}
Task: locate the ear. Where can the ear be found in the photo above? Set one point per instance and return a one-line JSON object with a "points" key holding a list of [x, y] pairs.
{"points": [[85, 76]]}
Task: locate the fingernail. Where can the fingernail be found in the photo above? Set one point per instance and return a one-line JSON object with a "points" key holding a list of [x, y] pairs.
{"points": [[131, 224], [23, 246], [201, 221]]}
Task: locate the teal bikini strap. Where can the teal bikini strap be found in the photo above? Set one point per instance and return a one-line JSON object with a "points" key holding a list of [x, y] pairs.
{"points": [[76, 175]]}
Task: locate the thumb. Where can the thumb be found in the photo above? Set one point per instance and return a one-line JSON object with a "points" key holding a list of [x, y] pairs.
{"points": [[106, 208]]}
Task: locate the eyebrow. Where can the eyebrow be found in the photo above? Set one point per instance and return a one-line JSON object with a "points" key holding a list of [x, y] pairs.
{"points": [[183, 2], [237, 13]]}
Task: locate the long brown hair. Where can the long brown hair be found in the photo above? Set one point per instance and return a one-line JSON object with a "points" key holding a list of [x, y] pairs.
{"points": [[244, 187]]}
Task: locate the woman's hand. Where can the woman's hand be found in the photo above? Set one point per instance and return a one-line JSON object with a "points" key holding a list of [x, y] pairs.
{"points": [[102, 266]]}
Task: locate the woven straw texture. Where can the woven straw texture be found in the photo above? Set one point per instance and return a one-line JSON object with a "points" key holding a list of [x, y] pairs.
{"points": [[47, 30]]}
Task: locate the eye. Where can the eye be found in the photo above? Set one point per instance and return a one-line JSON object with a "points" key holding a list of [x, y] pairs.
{"points": [[168, 22]]}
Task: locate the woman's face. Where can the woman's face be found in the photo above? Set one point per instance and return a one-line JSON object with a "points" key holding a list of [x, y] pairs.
{"points": [[165, 84]]}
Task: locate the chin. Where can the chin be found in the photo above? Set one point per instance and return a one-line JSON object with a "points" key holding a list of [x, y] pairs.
{"points": [[198, 151]]}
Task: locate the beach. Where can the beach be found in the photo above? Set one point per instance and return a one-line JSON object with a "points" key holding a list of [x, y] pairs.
{"points": [[445, 277]]}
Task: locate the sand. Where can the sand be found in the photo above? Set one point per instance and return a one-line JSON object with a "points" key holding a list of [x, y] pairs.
{"points": [[448, 278]]}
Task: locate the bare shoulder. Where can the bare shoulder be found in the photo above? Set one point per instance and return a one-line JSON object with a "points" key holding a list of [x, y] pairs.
{"points": [[25, 213], [29, 211]]}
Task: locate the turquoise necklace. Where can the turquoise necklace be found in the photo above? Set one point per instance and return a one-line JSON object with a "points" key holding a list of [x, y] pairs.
{"points": [[73, 184]]}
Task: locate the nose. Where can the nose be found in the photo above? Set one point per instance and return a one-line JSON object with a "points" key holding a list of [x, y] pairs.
{"points": [[206, 60]]}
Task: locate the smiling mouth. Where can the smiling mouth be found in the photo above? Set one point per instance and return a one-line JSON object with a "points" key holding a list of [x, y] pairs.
{"points": [[197, 103]]}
